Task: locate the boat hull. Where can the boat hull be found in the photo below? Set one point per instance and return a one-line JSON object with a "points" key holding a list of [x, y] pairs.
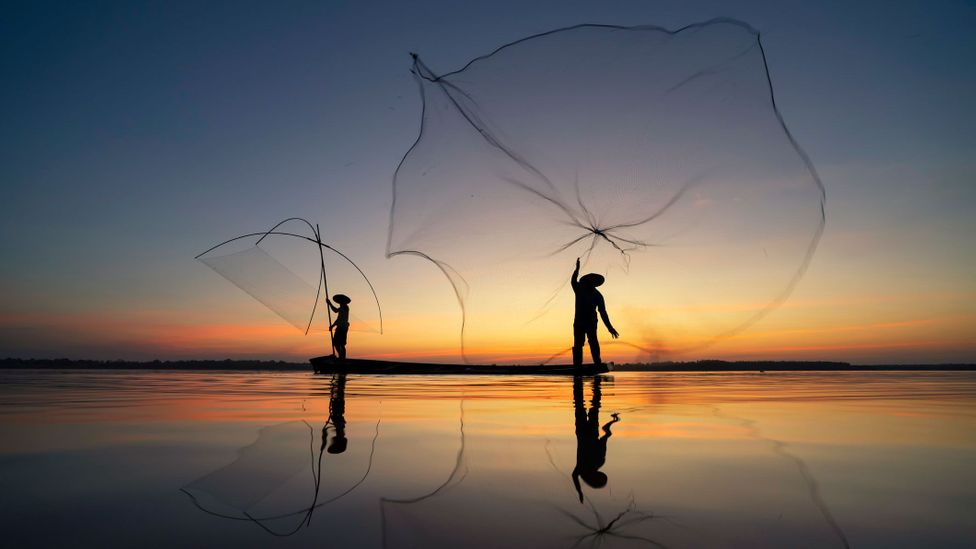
{"points": [[329, 365]]}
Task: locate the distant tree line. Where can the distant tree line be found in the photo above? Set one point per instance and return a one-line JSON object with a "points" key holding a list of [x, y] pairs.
{"points": [[279, 365], [777, 366], [71, 364]]}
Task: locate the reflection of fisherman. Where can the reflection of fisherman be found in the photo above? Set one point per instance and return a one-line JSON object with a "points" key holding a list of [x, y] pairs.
{"points": [[588, 302], [591, 448], [337, 413], [341, 323]]}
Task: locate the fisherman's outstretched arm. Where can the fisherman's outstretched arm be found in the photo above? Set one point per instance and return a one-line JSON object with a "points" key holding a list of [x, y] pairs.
{"points": [[331, 306], [602, 306], [606, 428]]}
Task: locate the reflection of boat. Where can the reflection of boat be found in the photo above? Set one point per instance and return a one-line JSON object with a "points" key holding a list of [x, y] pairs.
{"points": [[329, 365]]}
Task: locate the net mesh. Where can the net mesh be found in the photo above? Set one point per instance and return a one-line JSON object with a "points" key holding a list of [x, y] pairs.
{"points": [[265, 279], [659, 157], [266, 267]]}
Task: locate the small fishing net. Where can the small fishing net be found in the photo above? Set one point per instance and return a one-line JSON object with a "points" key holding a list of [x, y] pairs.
{"points": [[659, 157], [266, 266], [265, 279]]}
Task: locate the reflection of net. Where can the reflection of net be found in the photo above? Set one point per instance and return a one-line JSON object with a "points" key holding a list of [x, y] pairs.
{"points": [[525, 505], [265, 478], [398, 511], [464, 503], [657, 156], [269, 483]]}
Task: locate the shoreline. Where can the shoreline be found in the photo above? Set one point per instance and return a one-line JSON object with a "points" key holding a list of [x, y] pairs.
{"points": [[284, 366]]}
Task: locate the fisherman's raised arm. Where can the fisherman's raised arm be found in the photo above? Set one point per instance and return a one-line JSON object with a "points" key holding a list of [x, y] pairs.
{"points": [[575, 280]]}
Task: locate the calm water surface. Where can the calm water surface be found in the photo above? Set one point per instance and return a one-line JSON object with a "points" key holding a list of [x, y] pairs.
{"points": [[117, 458]]}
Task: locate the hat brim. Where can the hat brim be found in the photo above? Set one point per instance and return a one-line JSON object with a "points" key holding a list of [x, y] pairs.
{"points": [[341, 299], [592, 279]]}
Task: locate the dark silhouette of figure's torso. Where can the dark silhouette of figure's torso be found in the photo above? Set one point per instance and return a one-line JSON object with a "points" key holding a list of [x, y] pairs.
{"points": [[341, 333], [342, 316], [588, 301]]}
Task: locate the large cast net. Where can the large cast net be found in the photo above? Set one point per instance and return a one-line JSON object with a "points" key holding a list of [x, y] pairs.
{"points": [[657, 156]]}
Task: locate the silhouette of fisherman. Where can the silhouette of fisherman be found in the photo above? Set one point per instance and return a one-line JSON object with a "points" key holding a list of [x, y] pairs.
{"points": [[588, 301], [341, 324], [591, 448]]}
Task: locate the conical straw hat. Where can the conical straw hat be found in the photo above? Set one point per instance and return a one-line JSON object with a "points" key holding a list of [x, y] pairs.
{"points": [[592, 280]]}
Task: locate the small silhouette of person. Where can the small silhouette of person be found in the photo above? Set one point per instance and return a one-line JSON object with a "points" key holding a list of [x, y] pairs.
{"points": [[341, 324], [588, 301], [337, 413], [591, 448]]}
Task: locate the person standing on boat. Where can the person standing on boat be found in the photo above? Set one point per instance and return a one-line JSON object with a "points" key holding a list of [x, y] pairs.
{"points": [[341, 324], [588, 301]]}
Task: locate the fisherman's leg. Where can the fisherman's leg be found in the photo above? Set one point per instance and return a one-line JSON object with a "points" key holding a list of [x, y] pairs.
{"points": [[594, 345], [340, 342], [578, 335]]}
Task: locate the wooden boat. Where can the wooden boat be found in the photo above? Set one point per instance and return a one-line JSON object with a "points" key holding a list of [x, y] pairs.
{"points": [[329, 365]]}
